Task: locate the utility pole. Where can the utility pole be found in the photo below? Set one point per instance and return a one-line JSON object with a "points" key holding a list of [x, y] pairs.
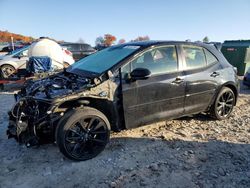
{"points": [[12, 44]]}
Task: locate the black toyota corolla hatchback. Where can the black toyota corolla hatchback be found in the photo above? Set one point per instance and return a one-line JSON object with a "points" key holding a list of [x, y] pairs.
{"points": [[121, 87]]}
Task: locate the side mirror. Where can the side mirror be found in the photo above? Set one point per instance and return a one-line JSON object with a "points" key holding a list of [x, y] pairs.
{"points": [[140, 74]]}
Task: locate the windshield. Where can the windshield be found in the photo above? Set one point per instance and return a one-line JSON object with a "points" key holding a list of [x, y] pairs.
{"points": [[104, 59], [14, 52]]}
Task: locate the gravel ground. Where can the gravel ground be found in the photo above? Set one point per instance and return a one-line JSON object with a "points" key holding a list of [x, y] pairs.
{"points": [[188, 152]]}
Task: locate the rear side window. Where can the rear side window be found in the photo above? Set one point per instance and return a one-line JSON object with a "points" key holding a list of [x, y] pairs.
{"points": [[211, 59], [72, 47], [159, 60], [86, 47], [194, 57]]}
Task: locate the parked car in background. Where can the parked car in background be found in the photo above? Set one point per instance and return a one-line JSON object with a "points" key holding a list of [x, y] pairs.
{"points": [[9, 48], [67, 57], [13, 61], [79, 50], [100, 47], [2, 45], [246, 79], [123, 86]]}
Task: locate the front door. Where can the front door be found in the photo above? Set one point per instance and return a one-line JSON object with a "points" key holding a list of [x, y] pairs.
{"points": [[161, 95]]}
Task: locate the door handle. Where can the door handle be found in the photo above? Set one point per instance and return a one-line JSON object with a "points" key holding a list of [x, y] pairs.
{"points": [[177, 80], [215, 74]]}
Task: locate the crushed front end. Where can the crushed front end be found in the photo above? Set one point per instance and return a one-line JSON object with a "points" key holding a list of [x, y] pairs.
{"points": [[42, 103], [33, 118], [29, 122]]}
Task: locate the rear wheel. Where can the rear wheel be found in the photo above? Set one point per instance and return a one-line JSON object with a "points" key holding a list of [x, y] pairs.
{"points": [[7, 71], [224, 104], [82, 134]]}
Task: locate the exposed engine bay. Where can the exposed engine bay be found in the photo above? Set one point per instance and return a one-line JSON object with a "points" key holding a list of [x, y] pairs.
{"points": [[55, 86]]}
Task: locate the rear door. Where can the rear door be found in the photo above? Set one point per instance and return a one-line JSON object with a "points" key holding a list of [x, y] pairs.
{"points": [[202, 77], [158, 97]]}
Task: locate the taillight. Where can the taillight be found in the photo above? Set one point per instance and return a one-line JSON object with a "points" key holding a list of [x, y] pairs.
{"points": [[68, 52]]}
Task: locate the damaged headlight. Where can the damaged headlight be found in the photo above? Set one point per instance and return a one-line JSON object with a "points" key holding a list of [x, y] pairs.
{"points": [[24, 118]]}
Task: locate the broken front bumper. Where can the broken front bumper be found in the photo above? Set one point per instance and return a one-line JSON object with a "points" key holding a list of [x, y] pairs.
{"points": [[29, 122]]}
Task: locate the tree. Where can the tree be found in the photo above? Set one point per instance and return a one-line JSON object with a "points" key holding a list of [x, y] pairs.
{"points": [[141, 38], [99, 41], [109, 39], [206, 39], [121, 41], [5, 36], [80, 40]]}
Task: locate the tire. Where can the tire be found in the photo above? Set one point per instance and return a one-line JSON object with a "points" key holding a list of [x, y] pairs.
{"points": [[7, 71], [82, 134], [223, 104]]}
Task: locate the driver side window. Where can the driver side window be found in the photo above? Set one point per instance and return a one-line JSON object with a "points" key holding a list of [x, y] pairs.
{"points": [[158, 61]]}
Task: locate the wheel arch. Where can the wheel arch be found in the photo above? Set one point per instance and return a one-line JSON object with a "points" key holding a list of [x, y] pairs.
{"points": [[233, 87], [12, 64], [230, 85], [108, 108]]}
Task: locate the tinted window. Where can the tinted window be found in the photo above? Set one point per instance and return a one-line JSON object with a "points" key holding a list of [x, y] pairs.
{"points": [[86, 47], [211, 59], [21, 51], [72, 47], [194, 56], [159, 60]]}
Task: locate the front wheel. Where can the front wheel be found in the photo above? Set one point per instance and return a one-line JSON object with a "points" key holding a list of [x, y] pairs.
{"points": [[224, 104], [7, 71], [83, 133]]}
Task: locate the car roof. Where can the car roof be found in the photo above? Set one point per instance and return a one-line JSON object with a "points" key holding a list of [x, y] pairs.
{"points": [[156, 42]]}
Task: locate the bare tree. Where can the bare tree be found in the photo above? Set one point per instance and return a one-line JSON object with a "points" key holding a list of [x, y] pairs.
{"points": [[80, 40], [99, 41], [205, 39]]}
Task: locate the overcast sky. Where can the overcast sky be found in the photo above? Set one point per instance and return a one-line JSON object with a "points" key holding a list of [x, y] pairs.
{"points": [[70, 20]]}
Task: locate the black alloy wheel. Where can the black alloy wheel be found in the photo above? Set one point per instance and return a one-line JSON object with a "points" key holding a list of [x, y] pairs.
{"points": [[224, 104], [84, 135]]}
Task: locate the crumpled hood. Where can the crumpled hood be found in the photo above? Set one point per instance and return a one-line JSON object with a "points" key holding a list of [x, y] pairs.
{"points": [[55, 86]]}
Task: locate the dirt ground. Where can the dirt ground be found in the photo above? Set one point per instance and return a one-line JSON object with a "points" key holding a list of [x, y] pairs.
{"points": [[188, 152]]}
